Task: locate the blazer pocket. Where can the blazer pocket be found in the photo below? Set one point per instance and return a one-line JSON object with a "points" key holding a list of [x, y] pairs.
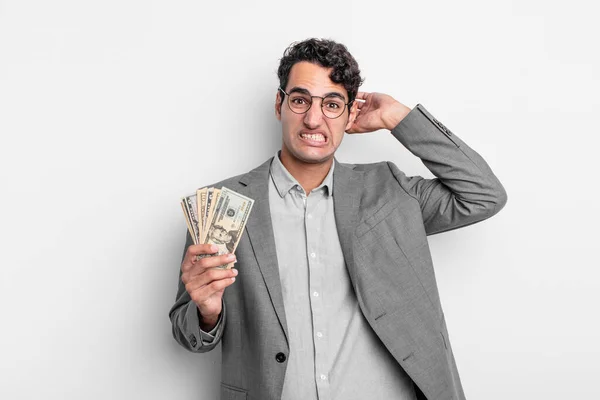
{"points": [[372, 220], [229, 392]]}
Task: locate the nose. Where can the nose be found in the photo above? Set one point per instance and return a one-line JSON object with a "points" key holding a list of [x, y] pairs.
{"points": [[314, 116]]}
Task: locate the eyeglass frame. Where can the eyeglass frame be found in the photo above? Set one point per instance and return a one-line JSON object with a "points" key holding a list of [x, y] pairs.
{"points": [[311, 103]]}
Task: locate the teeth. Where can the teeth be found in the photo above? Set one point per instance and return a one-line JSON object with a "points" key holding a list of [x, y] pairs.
{"points": [[318, 137]]}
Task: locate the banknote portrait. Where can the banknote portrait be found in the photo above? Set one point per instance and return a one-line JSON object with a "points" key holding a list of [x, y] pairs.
{"points": [[220, 236]]}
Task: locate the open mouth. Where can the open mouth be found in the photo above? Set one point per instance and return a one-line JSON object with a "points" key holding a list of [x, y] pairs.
{"points": [[314, 138]]}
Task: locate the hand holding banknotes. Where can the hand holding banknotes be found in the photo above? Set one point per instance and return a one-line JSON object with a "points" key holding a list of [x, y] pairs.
{"points": [[205, 283], [216, 219]]}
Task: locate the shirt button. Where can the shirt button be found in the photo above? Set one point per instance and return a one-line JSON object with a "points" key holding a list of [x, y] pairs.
{"points": [[319, 334], [323, 377], [316, 294], [309, 216], [313, 255], [280, 357]]}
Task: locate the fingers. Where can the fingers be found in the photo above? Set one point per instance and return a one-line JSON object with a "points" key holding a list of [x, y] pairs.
{"points": [[362, 95], [196, 267], [208, 298], [198, 249], [218, 286], [207, 289], [359, 102], [214, 261], [212, 280]]}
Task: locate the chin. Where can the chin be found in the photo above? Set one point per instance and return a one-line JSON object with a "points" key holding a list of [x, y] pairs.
{"points": [[313, 158], [308, 154]]}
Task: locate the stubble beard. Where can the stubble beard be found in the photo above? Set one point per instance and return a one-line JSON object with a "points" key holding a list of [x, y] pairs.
{"points": [[299, 157]]}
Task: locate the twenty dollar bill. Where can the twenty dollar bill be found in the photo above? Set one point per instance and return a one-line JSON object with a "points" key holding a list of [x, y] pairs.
{"points": [[226, 225], [217, 216]]}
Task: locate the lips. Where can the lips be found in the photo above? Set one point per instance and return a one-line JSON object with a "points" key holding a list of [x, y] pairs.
{"points": [[315, 138]]}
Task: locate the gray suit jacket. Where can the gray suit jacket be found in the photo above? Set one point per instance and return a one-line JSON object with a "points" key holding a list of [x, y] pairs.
{"points": [[383, 218]]}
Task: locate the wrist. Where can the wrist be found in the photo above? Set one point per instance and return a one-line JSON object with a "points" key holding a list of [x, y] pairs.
{"points": [[207, 322], [398, 112]]}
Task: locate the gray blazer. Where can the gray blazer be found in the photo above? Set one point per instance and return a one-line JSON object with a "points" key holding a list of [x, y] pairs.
{"points": [[383, 219]]}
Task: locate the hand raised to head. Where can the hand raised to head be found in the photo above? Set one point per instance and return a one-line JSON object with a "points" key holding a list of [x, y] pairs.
{"points": [[376, 111]]}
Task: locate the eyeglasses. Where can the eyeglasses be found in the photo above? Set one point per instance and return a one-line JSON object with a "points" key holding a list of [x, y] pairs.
{"points": [[332, 106]]}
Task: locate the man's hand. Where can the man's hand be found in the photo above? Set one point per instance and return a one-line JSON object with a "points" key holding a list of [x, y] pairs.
{"points": [[206, 284], [378, 111]]}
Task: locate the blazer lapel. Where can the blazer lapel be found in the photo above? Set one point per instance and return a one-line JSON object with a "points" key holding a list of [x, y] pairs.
{"points": [[347, 185], [260, 235]]}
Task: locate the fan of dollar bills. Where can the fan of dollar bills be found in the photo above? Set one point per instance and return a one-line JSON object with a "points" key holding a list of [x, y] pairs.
{"points": [[217, 216]]}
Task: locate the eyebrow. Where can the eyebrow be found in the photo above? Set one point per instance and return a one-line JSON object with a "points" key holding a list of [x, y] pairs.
{"points": [[297, 89]]}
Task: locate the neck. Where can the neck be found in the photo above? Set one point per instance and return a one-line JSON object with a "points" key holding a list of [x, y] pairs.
{"points": [[308, 175]]}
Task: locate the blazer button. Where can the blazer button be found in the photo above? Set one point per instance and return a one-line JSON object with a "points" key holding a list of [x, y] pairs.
{"points": [[280, 357]]}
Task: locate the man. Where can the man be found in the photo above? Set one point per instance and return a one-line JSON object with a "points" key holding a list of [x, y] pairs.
{"points": [[335, 294]]}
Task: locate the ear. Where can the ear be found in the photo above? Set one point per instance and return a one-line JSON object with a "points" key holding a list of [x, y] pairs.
{"points": [[278, 105], [352, 116]]}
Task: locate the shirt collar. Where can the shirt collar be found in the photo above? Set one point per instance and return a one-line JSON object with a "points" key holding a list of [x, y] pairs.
{"points": [[284, 181]]}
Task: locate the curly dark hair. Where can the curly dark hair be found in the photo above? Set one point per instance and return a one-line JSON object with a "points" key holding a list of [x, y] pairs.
{"points": [[328, 54]]}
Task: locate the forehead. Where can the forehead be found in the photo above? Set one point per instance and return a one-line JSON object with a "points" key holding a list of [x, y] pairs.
{"points": [[314, 78]]}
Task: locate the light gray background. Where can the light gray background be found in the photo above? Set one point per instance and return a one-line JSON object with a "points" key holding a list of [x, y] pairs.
{"points": [[111, 110]]}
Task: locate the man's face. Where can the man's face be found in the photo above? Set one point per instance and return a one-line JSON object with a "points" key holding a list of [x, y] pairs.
{"points": [[312, 137]]}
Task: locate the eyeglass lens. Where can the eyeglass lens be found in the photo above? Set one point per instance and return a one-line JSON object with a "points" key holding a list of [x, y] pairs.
{"points": [[332, 106]]}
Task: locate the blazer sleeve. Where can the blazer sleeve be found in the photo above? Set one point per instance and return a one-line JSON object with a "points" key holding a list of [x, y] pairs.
{"points": [[465, 190], [185, 319]]}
